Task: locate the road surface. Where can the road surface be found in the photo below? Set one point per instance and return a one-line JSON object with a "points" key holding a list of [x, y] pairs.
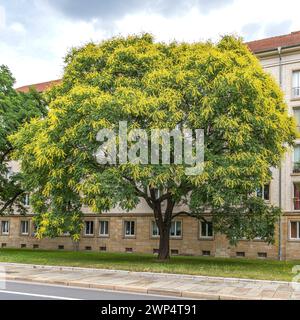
{"points": [[17, 290]]}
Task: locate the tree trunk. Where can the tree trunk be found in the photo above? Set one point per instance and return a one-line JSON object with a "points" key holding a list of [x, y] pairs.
{"points": [[164, 244]]}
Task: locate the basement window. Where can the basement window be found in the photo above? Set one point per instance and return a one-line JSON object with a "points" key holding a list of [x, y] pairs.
{"points": [[3, 245], [155, 251], [206, 253], [262, 255], [35, 246], [23, 245], [88, 248], [174, 252], [102, 249], [128, 250], [240, 254], [60, 247]]}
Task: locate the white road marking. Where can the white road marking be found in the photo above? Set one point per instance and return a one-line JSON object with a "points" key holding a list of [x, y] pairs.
{"points": [[37, 295]]}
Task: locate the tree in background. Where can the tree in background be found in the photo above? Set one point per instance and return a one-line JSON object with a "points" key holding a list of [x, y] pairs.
{"points": [[220, 88], [15, 110]]}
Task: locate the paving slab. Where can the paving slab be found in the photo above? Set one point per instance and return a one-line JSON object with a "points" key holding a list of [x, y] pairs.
{"points": [[186, 286]]}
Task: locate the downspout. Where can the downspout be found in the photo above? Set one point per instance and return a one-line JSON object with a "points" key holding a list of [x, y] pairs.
{"points": [[280, 170]]}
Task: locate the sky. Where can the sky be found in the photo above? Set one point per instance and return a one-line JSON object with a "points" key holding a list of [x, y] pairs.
{"points": [[35, 35]]}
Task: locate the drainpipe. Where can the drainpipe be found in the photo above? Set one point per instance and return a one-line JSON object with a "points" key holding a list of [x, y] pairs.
{"points": [[280, 170]]}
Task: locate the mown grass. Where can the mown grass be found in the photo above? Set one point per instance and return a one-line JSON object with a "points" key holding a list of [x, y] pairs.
{"points": [[221, 267]]}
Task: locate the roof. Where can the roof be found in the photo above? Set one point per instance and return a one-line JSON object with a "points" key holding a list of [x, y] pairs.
{"points": [[40, 87], [269, 44]]}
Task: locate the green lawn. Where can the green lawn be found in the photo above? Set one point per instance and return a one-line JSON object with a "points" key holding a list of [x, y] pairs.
{"points": [[243, 268]]}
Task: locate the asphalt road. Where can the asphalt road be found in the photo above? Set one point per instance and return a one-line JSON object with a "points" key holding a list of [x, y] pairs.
{"points": [[16, 290]]}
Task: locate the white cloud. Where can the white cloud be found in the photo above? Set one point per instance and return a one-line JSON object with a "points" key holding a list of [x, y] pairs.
{"points": [[34, 39]]}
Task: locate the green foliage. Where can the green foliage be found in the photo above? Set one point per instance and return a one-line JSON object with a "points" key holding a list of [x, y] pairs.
{"points": [[219, 88], [15, 110]]}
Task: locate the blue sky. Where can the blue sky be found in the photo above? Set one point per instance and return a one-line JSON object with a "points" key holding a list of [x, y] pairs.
{"points": [[36, 34]]}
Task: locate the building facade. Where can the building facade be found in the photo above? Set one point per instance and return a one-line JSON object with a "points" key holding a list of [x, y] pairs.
{"points": [[136, 231]]}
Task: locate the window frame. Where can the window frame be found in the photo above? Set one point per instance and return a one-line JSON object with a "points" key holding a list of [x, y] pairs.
{"points": [[8, 227], [205, 237], [296, 109], [293, 87], [21, 229], [152, 225], [26, 200], [297, 231], [262, 190], [91, 222], [181, 229], [294, 198], [104, 235], [131, 222]]}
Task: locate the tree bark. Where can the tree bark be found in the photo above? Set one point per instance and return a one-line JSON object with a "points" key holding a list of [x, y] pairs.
{"points": [[164, 243], [164, 228]]}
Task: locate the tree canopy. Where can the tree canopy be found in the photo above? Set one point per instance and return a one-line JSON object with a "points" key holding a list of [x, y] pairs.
{"points": [[220, 88], [15, 110]]}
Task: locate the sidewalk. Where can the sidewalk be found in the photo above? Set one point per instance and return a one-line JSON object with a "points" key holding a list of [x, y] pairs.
{"points": [[194, 287]]}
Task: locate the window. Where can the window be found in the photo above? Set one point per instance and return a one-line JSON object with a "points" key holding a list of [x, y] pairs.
{"points": [[297, 117], [240, 254], [174, 252], [263, 255], [296, 84], [175, 229], [206, 229], [5, 227], [264, 192], [295, 230], [129, 228], [24, 227], [26, 200], [296, 196], [103, 230], [9, 173], [155, 230], [296, 167], [89, 228]]}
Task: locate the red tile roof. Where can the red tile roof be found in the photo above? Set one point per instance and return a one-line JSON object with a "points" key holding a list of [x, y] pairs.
{"points": [[40, 87], [273, 43]]}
